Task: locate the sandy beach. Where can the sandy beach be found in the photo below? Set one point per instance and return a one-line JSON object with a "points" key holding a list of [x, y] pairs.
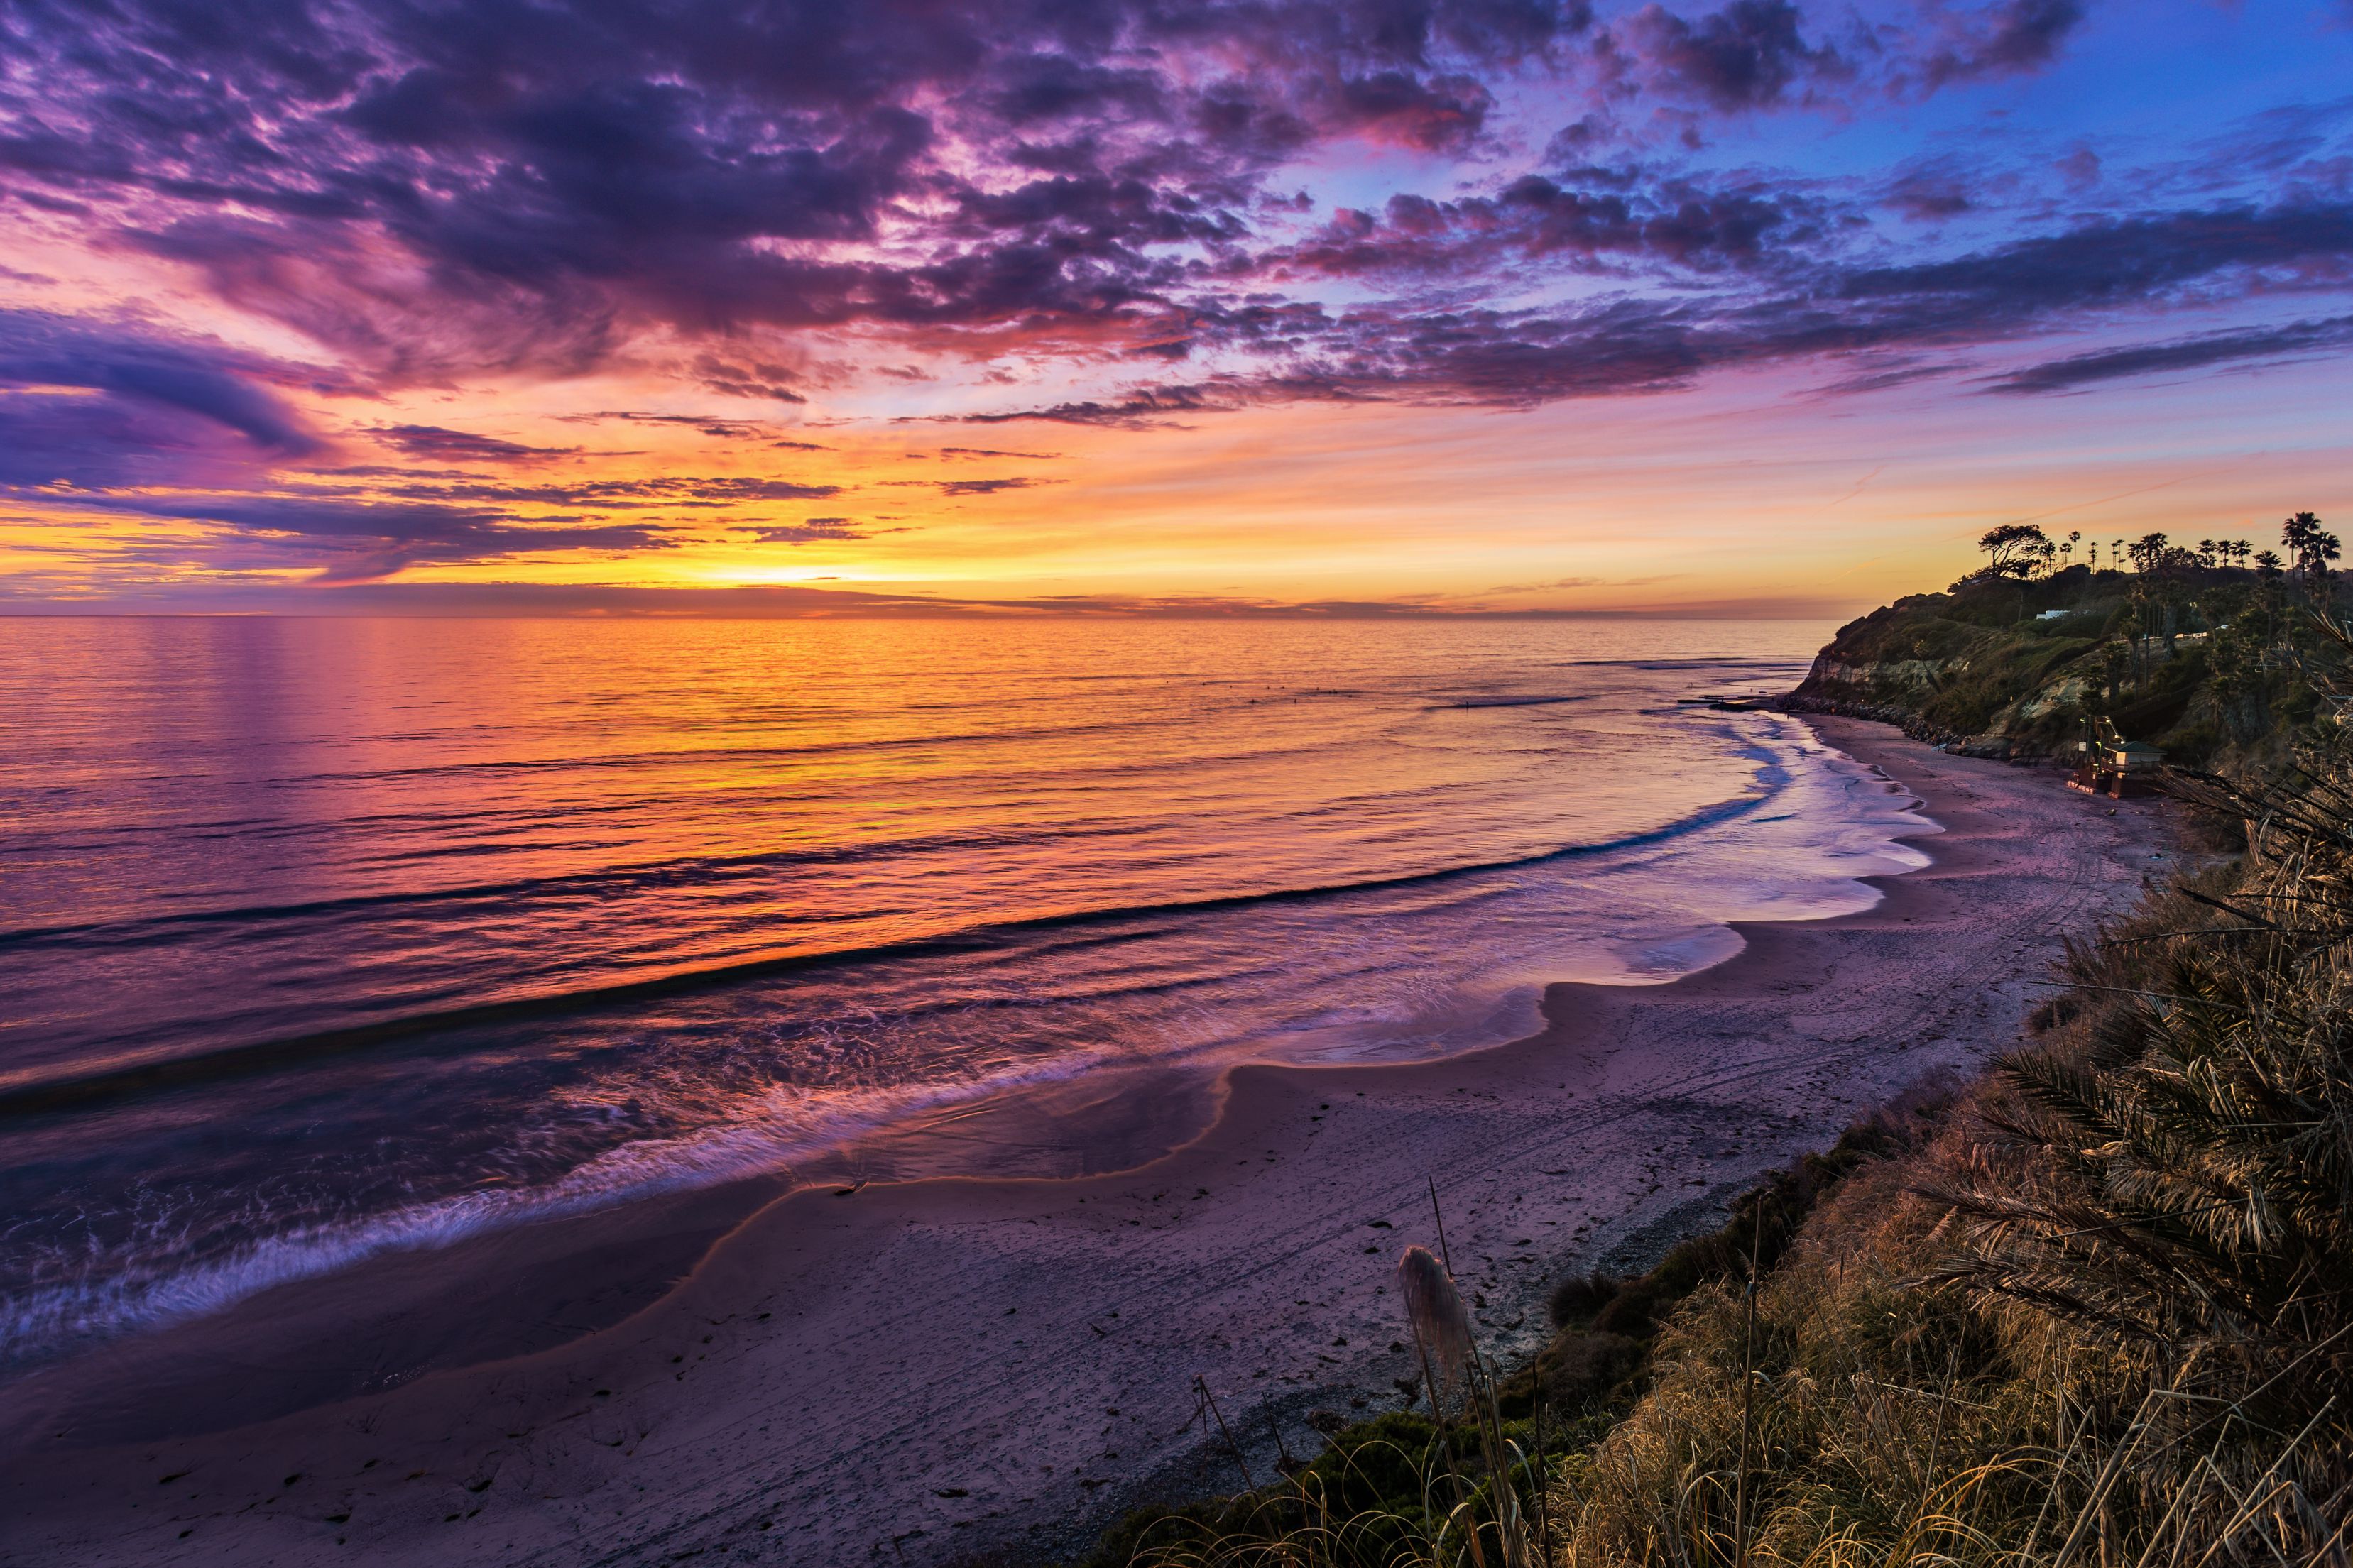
{"points": [[872, 1364]]}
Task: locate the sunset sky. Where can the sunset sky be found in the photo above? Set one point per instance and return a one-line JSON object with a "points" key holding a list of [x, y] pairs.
{"points": [[1331, 306]]}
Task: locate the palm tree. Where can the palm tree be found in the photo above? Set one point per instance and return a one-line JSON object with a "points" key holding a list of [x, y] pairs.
{"points": [[2312, 547]]}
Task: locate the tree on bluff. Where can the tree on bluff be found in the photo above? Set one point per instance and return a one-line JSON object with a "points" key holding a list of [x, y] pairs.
{"points": [[2312, 547], [2015, 550]]}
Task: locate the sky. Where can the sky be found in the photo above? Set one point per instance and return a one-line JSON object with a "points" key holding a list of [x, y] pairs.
{"points": [[1176, 307]]}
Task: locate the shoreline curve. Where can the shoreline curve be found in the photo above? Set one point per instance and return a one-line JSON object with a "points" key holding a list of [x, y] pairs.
{"points": [[1003, 1316]]}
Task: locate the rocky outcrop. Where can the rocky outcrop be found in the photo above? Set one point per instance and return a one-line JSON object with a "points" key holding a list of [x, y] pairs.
{"points": [[2204, 667], [1908, 720], [1931, 665]]}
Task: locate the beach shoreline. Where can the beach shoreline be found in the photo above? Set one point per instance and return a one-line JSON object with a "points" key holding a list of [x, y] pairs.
{"points": [[941, 1366]]}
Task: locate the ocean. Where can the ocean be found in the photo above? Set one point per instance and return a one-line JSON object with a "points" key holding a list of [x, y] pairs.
{"points": [[325, 937]]}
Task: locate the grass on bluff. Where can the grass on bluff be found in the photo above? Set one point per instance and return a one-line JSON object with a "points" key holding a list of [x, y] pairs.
{"points": [[2097, 1310], [2210, 663]]}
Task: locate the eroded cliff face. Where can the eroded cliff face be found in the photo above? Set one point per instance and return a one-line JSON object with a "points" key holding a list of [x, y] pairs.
{"points": [[2012, 669], [1855, 698], [1987, 690], [1893, 679]]}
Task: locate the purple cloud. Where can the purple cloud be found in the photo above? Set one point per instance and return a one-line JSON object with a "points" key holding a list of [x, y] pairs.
{"points": [[439, 444], [1483, 355], [530, 187], [667, 490], [2078, 372], [991, 452], [560, 173], [354, 540], [798, 201], [810, 529], [221, 386], [985, 487], [1746, 56], [2010, 38]]}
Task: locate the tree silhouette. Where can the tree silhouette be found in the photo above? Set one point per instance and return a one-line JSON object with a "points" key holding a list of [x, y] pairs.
{"points": [[2015, 550], [2147, 551], [2312, 547]]}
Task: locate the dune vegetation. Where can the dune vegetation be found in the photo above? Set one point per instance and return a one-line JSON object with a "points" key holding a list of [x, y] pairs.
{"points": [[2093, 1309]]}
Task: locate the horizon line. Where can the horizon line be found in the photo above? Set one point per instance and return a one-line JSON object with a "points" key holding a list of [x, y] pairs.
{"points": [[520, 601]]}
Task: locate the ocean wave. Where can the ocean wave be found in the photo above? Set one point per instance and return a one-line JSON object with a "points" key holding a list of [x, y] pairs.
{"points": [[35, 1091], [156, 1282]]}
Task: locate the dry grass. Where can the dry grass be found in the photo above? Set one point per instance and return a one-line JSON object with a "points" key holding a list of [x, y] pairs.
{"points": [[2104, 1318], [2107, 1318], [1322, 1520], [1392, 1492]]}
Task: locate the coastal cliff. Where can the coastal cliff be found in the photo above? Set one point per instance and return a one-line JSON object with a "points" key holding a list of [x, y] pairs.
{"points": [[2201, 663]]}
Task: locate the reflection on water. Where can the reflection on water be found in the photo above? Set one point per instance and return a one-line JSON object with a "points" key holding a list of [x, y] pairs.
{"points": [[988, 856]]}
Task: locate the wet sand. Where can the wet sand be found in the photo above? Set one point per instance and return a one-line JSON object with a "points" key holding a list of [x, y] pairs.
{"points": [[928, 1368]]}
